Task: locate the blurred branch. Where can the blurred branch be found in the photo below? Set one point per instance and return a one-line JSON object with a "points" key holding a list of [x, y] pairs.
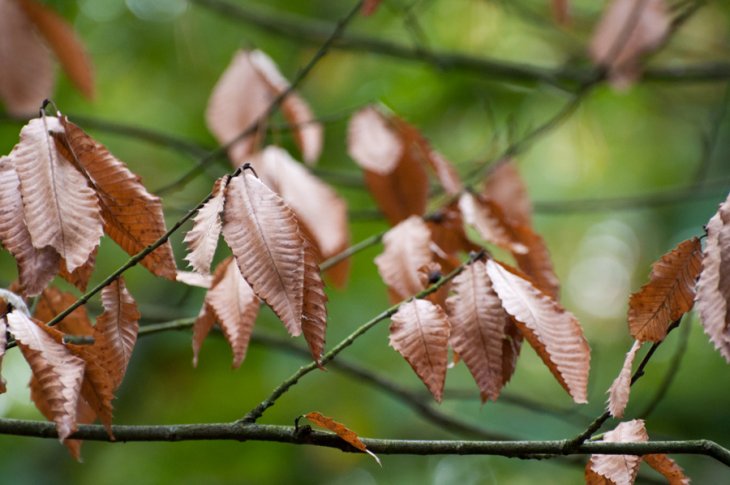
{"points": [[314, 31], [306, 436]]}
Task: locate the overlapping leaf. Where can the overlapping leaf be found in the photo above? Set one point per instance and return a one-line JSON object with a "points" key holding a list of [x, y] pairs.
{"points": [[489, 221], [628, 31], [406, 251], [668, 295], [202, 239], [553, 332], [668, 468], [314, 310], [264, 236], [620, 469], [478, 324], [618, 393], [132, 216], [420, 332], [372, 143], [67, 220], [52, 302], [505, 187], [36, 267]]}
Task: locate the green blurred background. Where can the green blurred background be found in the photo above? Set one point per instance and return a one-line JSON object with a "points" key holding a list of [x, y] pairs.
{"points": [[156, 63]]}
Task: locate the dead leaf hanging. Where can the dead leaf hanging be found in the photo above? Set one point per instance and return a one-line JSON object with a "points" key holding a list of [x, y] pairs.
{"points": [[505, 187], [668, 295], [314, 311], [489, 221], [264, 236], [420, 332], [618, 393], [59, 207], [553, 332], [372, 143], [52, 302], [341, 430], [478, 324], [668, 468], [202, 239], [620, 468], [133, 217], [36, 267]]}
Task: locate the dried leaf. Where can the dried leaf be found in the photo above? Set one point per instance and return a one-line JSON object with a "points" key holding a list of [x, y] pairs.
{"points": [[98, 386], [68, 220], [553, 332], [447, 234], [536, 262], [711, 301], [201, 328], [505, 187], [618, 393], [406, 251], [419, 331], [65, 44], [341, 430], [314, 311], [372, 143], [667, 467], [3, 344], [402, 193], [36, 267], [240, 97], [668, 295], [593, 478], [621, 469], [26, 66], [59, 372], [191, 278], [235, 307], [80, 276], [264, 236], [488, 219], [52, 302], [132, 216], [511, 346], [478, 324], [202, 239], [627, 32], [116, 330]]}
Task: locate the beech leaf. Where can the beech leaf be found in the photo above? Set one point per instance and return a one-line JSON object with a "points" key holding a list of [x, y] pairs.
{"points": [[668, 295], [52, 302], [553, 332], [505, 187], [489, 221], [65, 44], [36, 267], [314, 311], [27, 74], [627, 31], [536, 261], [235, 307], [192, 278], [668, 468], [372, 143], [133, 217], [406, 251], [80, 276], [618, 393], [620, 469], [263, 234], [201, 328], [68, 220], [478, 324], [340, 430], [202, 239], [419, 331], [59, 372]]}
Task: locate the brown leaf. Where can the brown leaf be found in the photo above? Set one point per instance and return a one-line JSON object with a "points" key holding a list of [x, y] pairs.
{"points": [[314, 311], [201, 328], [668, 295], [667, 467], [406, 251], [52, 302], [240, 97], [711, 299], [65, 44], [478, 324], [235, 307], [553, 332], [627, 32], [372, 142], [593, 478], [511, 346], [26, 66], [505, 187], [80, 276], [447, 234], [419, 331], [116, 330], [316, 205], [68, 220], [3, 344], [489, 221], [191, 278], [202, 239], [97, 387], [621, 469], [263, 234], [341, 430], [132, 216], [401, 193], [536, 262], [36, 267], [618, 393], [59, 372]]}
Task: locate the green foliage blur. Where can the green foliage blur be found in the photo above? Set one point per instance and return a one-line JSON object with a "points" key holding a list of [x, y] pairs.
{"points": [[156, 63]]}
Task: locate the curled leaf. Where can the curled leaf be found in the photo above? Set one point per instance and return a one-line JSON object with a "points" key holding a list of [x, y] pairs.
{"points": [[314, 311], [341, 430], [420, 333], [202, 239], [618, 393]]}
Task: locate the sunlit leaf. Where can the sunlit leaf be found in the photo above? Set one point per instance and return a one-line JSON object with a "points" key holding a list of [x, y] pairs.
{"points": [[341, 430]]}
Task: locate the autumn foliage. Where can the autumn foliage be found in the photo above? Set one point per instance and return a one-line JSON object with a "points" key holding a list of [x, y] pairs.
{"points": [[280, 222]]}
